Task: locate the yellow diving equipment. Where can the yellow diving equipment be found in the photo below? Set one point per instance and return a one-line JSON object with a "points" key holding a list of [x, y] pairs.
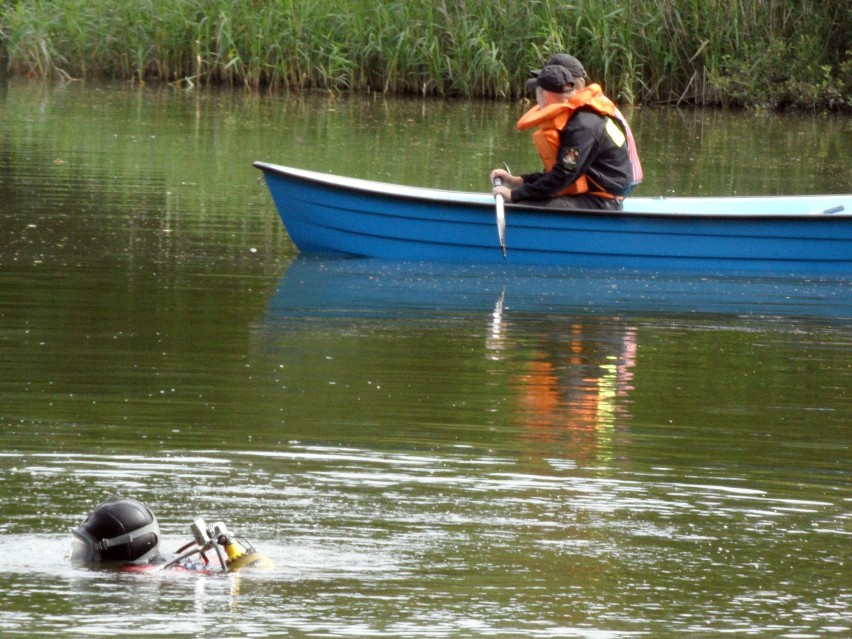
{"points": [[237, 553], [243, 555]]}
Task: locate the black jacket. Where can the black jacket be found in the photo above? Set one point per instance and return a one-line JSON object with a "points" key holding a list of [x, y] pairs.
{"points": [[585, 147]]}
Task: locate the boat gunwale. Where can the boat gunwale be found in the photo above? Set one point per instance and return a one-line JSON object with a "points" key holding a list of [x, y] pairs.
{"points": [[479, 199]]}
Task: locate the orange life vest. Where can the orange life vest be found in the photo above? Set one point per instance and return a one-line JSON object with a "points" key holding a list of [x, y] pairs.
{"points": [[552, 120]]}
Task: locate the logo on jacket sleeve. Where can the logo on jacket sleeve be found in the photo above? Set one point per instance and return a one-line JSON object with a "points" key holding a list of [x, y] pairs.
{"points": [[571, 157]]}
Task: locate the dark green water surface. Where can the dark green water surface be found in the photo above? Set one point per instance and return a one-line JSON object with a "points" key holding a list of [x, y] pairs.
{"points": [[424, 450]]}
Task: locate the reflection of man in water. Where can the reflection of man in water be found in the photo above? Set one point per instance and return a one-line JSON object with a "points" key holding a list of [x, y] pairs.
{"points": [[575, 390]]}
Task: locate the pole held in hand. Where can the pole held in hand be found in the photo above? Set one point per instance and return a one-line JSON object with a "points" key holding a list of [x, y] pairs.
{"points": [[501, 218]]}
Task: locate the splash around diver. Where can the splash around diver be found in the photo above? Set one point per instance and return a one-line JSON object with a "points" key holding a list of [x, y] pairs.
{"points": [[124, 534]]}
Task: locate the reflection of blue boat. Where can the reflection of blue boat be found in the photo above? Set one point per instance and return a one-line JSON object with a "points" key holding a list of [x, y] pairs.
{"points": [[325, 214], [353, 288]]}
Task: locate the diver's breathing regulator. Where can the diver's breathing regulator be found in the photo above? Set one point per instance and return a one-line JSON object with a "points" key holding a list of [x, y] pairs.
{"points": [[233, 553]]}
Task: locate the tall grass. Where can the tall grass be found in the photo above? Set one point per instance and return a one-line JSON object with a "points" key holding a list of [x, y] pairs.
{"points": [[773, 53]]}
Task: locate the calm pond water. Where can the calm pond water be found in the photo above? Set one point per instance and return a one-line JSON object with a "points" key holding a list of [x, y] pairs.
{"points": [[425, 451]]}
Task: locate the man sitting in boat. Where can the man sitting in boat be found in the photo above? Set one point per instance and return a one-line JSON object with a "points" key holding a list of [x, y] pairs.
{"points": [[581, 80], [582, 144], [124, 534]]}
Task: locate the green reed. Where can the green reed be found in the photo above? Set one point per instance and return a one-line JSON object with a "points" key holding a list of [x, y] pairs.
{"points": [[773, 53]]}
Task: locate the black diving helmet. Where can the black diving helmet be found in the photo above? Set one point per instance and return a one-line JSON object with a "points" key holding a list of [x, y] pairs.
{"points": [[117, 531]]}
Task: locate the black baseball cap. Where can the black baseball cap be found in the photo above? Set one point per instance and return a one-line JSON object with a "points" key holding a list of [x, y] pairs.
{"points": [[568, 61], [551, 78]]}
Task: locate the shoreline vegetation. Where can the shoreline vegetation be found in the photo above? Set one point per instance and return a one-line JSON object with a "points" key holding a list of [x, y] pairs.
{"points": [[765, 54]]}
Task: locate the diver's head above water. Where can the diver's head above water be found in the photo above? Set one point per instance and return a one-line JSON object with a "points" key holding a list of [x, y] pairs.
{"points": [[119, 531], [124, 533]]}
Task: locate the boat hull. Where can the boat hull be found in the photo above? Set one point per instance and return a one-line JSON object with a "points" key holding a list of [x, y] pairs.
{"points": [[329, 215]]}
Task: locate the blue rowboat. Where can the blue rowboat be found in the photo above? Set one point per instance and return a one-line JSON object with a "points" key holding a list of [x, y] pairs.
{"points": [[332, 215]]}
